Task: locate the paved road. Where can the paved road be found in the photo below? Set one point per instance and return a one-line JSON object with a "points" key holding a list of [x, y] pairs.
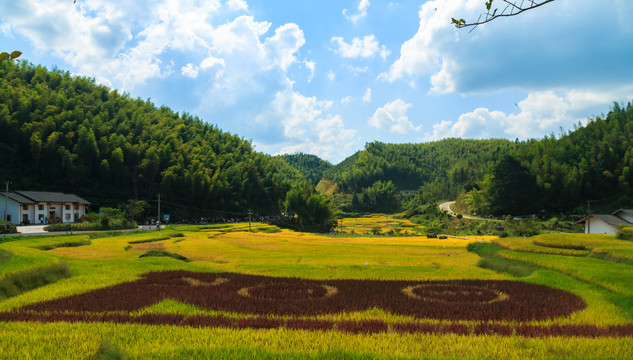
{"points": [[447, 207], [39, 230]]}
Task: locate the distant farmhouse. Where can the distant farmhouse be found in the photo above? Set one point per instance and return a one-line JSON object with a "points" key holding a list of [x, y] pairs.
{"points": [[607, 224], [38, 207]]}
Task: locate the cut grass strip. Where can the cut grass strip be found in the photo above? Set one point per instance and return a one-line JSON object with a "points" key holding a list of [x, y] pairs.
{"points": [[612, 276], [165, 254], [5, 256], [64, 244], [19, 283], [490, 259]]}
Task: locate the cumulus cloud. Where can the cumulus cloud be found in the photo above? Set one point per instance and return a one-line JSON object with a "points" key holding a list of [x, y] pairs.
{"points": [[366, 47], [554, 46], [540, 113], [128, 43], [331, 76], [190, 70], [363, 5], [393, 117], [310, 65], [237, 4], [367, 96], [308, 127]]}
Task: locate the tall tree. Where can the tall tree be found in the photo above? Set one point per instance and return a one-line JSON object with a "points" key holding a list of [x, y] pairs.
{"points": [[511, 190]]}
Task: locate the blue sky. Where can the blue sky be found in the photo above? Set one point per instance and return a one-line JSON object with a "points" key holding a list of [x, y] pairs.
{"points": [[325, 77]]}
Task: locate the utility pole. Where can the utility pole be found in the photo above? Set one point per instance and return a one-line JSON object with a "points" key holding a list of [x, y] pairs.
{"points": [[158, 219], [250, 214], [588, 216], [6, 202]]}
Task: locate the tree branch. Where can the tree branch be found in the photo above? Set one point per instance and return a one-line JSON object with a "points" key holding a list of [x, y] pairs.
{"points": [[512, 9]]}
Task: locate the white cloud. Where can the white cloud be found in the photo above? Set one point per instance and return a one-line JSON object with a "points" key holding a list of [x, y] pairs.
{"points": [[532, 52], [540, 113], [281, 48], [128, 43], [346, 100], [366, 47], [367, 96], [393, 117], [356, 70], [307, 127], [190, 70], [237, 4], [363, 5], [310, 65], [331, 76]]}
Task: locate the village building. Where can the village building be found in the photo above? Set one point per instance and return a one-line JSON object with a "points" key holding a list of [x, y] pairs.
{"points": [[607, 223], [39, 207]]}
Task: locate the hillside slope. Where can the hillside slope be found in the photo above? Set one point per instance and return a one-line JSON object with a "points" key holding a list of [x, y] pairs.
{"points": [[65, 133]]}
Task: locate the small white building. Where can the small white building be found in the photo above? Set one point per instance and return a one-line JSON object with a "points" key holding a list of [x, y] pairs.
{"points": [[39, 207], [607, 223]]}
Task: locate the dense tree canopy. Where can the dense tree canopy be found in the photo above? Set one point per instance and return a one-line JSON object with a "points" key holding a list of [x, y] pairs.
{"points": [[511, 190], [441, 169], [308, 210], [310, 166], [65, 133]]}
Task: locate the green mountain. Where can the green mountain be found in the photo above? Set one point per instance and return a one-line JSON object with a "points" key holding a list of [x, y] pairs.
{"points": [[310, 166], [65, 133], [442, 168]]}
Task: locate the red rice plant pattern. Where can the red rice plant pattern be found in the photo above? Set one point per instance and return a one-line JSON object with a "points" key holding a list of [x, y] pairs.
{"points": [[260, 295], [476, 300]]}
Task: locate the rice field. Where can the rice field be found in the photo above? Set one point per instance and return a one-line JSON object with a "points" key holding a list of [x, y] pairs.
{"points": [[384, 223], [275, 293]]}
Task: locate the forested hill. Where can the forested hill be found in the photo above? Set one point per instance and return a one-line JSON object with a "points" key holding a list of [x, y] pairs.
{"points": [[310, 166], [593, 162], [64, 133], [443, 168]]}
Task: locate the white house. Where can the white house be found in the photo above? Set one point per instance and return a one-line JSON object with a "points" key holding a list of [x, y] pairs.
{"points": [[39, 207], [607, 224]]}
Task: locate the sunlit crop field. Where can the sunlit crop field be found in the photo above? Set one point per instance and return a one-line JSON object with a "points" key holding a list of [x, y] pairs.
{"points": [[270, 293], [385, 223]]}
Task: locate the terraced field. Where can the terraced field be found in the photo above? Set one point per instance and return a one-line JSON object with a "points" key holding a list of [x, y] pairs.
{"points": [[223, 292]]}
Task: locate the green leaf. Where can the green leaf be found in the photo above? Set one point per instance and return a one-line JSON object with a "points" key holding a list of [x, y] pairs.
{"points": [[458, 23], [4, 56], [16, 54]]}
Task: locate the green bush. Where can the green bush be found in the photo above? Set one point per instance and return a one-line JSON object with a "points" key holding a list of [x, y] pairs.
{"points": [[11, 228], [57, 227], [625, 233]]}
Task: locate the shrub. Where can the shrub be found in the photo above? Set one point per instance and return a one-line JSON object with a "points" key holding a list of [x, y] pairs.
{"points": [[11, 228], [58, 227], [625, 233]]}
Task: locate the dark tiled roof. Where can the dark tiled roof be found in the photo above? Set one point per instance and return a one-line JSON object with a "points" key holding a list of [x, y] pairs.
{"points": [[49, 197], [19, 198], [609, 219], [626, 211]]}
